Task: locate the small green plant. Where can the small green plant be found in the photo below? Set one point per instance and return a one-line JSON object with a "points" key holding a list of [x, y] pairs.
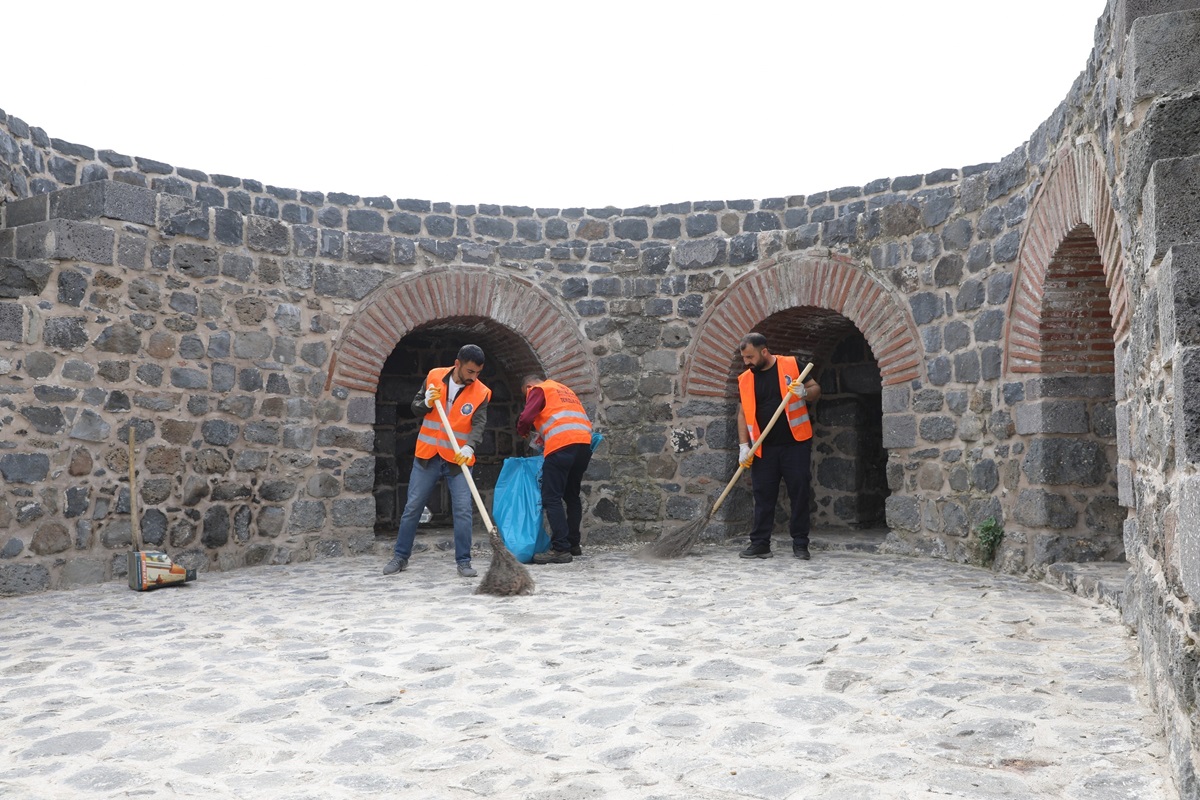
{"points": [[990, 534]]}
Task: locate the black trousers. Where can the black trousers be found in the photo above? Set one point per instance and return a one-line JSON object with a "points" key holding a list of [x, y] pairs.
{"points": [[791, 463], [562, 475]]}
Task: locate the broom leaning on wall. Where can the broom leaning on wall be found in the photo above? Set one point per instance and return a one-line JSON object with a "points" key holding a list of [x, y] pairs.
{"points": [[680, 541]]}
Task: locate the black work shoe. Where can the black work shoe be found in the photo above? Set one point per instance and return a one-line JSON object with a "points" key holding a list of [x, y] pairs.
{"points": [[576, 550], [553, 557], [756, 551], [465, 570], [397, 564], [801, 552]]}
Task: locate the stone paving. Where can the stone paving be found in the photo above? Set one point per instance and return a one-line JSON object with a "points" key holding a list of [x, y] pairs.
{"points": [[850, 676]]}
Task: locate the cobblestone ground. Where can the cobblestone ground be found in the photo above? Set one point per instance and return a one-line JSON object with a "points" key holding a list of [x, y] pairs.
{"points": [[850, 676]]}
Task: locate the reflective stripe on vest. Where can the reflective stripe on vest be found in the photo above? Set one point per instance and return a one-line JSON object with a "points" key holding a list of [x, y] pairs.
{"points": [[796, 409], [431, 438], [562, 421]]}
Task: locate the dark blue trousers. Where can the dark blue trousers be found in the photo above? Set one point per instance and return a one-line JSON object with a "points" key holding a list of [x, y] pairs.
{"points": [[792, 464], [562, 475]]}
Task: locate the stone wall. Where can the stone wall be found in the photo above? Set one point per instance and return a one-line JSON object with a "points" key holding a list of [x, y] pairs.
{"points": [[1018, 339]]}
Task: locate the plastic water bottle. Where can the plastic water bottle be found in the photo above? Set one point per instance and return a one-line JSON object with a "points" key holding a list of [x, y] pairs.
{"points": [[426, 514]]}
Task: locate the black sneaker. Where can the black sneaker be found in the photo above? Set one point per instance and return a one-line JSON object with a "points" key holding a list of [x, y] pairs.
{"points": [[576, 550], [397, 564], [553, 557], [756, 551], [801, 552]]}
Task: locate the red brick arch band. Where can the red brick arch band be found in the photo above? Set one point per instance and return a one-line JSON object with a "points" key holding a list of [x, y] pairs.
{"points": [[836, 283], [395, 309], [1074, 193]]}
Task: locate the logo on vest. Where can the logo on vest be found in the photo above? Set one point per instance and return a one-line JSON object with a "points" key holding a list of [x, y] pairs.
{"points": [[467, 409]]}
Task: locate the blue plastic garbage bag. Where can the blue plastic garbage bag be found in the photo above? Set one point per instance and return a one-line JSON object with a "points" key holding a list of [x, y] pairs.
{"points": [[517, 507]]}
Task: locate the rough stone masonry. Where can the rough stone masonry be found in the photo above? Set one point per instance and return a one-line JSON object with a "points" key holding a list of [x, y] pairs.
{"points": [[1015, 341]]}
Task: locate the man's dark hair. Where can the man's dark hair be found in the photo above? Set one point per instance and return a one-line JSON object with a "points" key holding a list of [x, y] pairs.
{"points": [[755, 340], [472, 353]]}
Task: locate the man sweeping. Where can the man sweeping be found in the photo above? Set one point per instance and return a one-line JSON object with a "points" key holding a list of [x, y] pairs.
{"points": [[786, 452], [465, 399], [566, 433]]}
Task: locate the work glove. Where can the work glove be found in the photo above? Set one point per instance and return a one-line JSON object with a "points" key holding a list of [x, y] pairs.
{"points": [[799, 390], [745, 455], [536, 443], [464, 455], [433, 392]]}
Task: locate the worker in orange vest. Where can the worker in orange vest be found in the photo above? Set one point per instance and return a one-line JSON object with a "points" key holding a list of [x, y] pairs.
{"points": [[786, 453], [565, 433], [464, 398]]}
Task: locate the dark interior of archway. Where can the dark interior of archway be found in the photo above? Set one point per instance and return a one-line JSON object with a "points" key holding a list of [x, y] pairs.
{"points": [[849, 462], [508, 358]]}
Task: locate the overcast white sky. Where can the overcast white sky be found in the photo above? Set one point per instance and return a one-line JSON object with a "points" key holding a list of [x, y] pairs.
{"points": [[550, 103]]}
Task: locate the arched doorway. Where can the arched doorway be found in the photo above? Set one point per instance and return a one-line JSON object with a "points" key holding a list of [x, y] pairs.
{"points": [[833, 312], [508, 358], [413, 324], [1067, 313]]}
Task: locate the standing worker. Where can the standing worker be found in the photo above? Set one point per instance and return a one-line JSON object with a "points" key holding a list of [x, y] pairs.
{"points": [[786, 453], [464, 398], [566, 433]]}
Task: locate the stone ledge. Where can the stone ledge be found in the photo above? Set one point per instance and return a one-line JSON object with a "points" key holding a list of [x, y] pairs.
{"points": [[1103, 582]]}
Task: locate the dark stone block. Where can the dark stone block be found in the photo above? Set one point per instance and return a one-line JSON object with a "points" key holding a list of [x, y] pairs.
{"points": [[761, 221], [1171, 130], [938, 428], [494, 227], [970, 296], [667, 228], [1037, 508], [196, 261], [1058, 462], [966, 367], [267, 235], [364, 220], [67, 333], [45, 420], [17, 579], [216, 527], [743, 249], [948, 271], [926, 307], [989, 326], [635, 229], [24, 467], [700, 254]]}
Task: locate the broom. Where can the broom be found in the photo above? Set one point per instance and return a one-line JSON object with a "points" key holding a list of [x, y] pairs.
{"points": [[506, 576], [678, 542]]}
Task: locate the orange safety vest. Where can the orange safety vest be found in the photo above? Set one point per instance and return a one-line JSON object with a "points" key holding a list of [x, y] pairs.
{"points": [[562, 421], [431, 439], [796, 411]]}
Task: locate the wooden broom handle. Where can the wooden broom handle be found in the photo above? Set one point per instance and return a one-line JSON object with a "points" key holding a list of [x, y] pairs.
{"points": [[758, 442], [136, 534], [487, 520]]}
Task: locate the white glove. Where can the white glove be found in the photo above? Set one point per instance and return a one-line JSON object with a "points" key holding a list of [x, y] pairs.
{"points": [[433, 392], [464, 455], [535, 442], [745, 454], [799, 390]]}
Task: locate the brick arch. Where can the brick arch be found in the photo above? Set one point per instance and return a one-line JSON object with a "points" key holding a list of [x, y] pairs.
{"points": [[835, 283], [1070, 251], [468, 295]]}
